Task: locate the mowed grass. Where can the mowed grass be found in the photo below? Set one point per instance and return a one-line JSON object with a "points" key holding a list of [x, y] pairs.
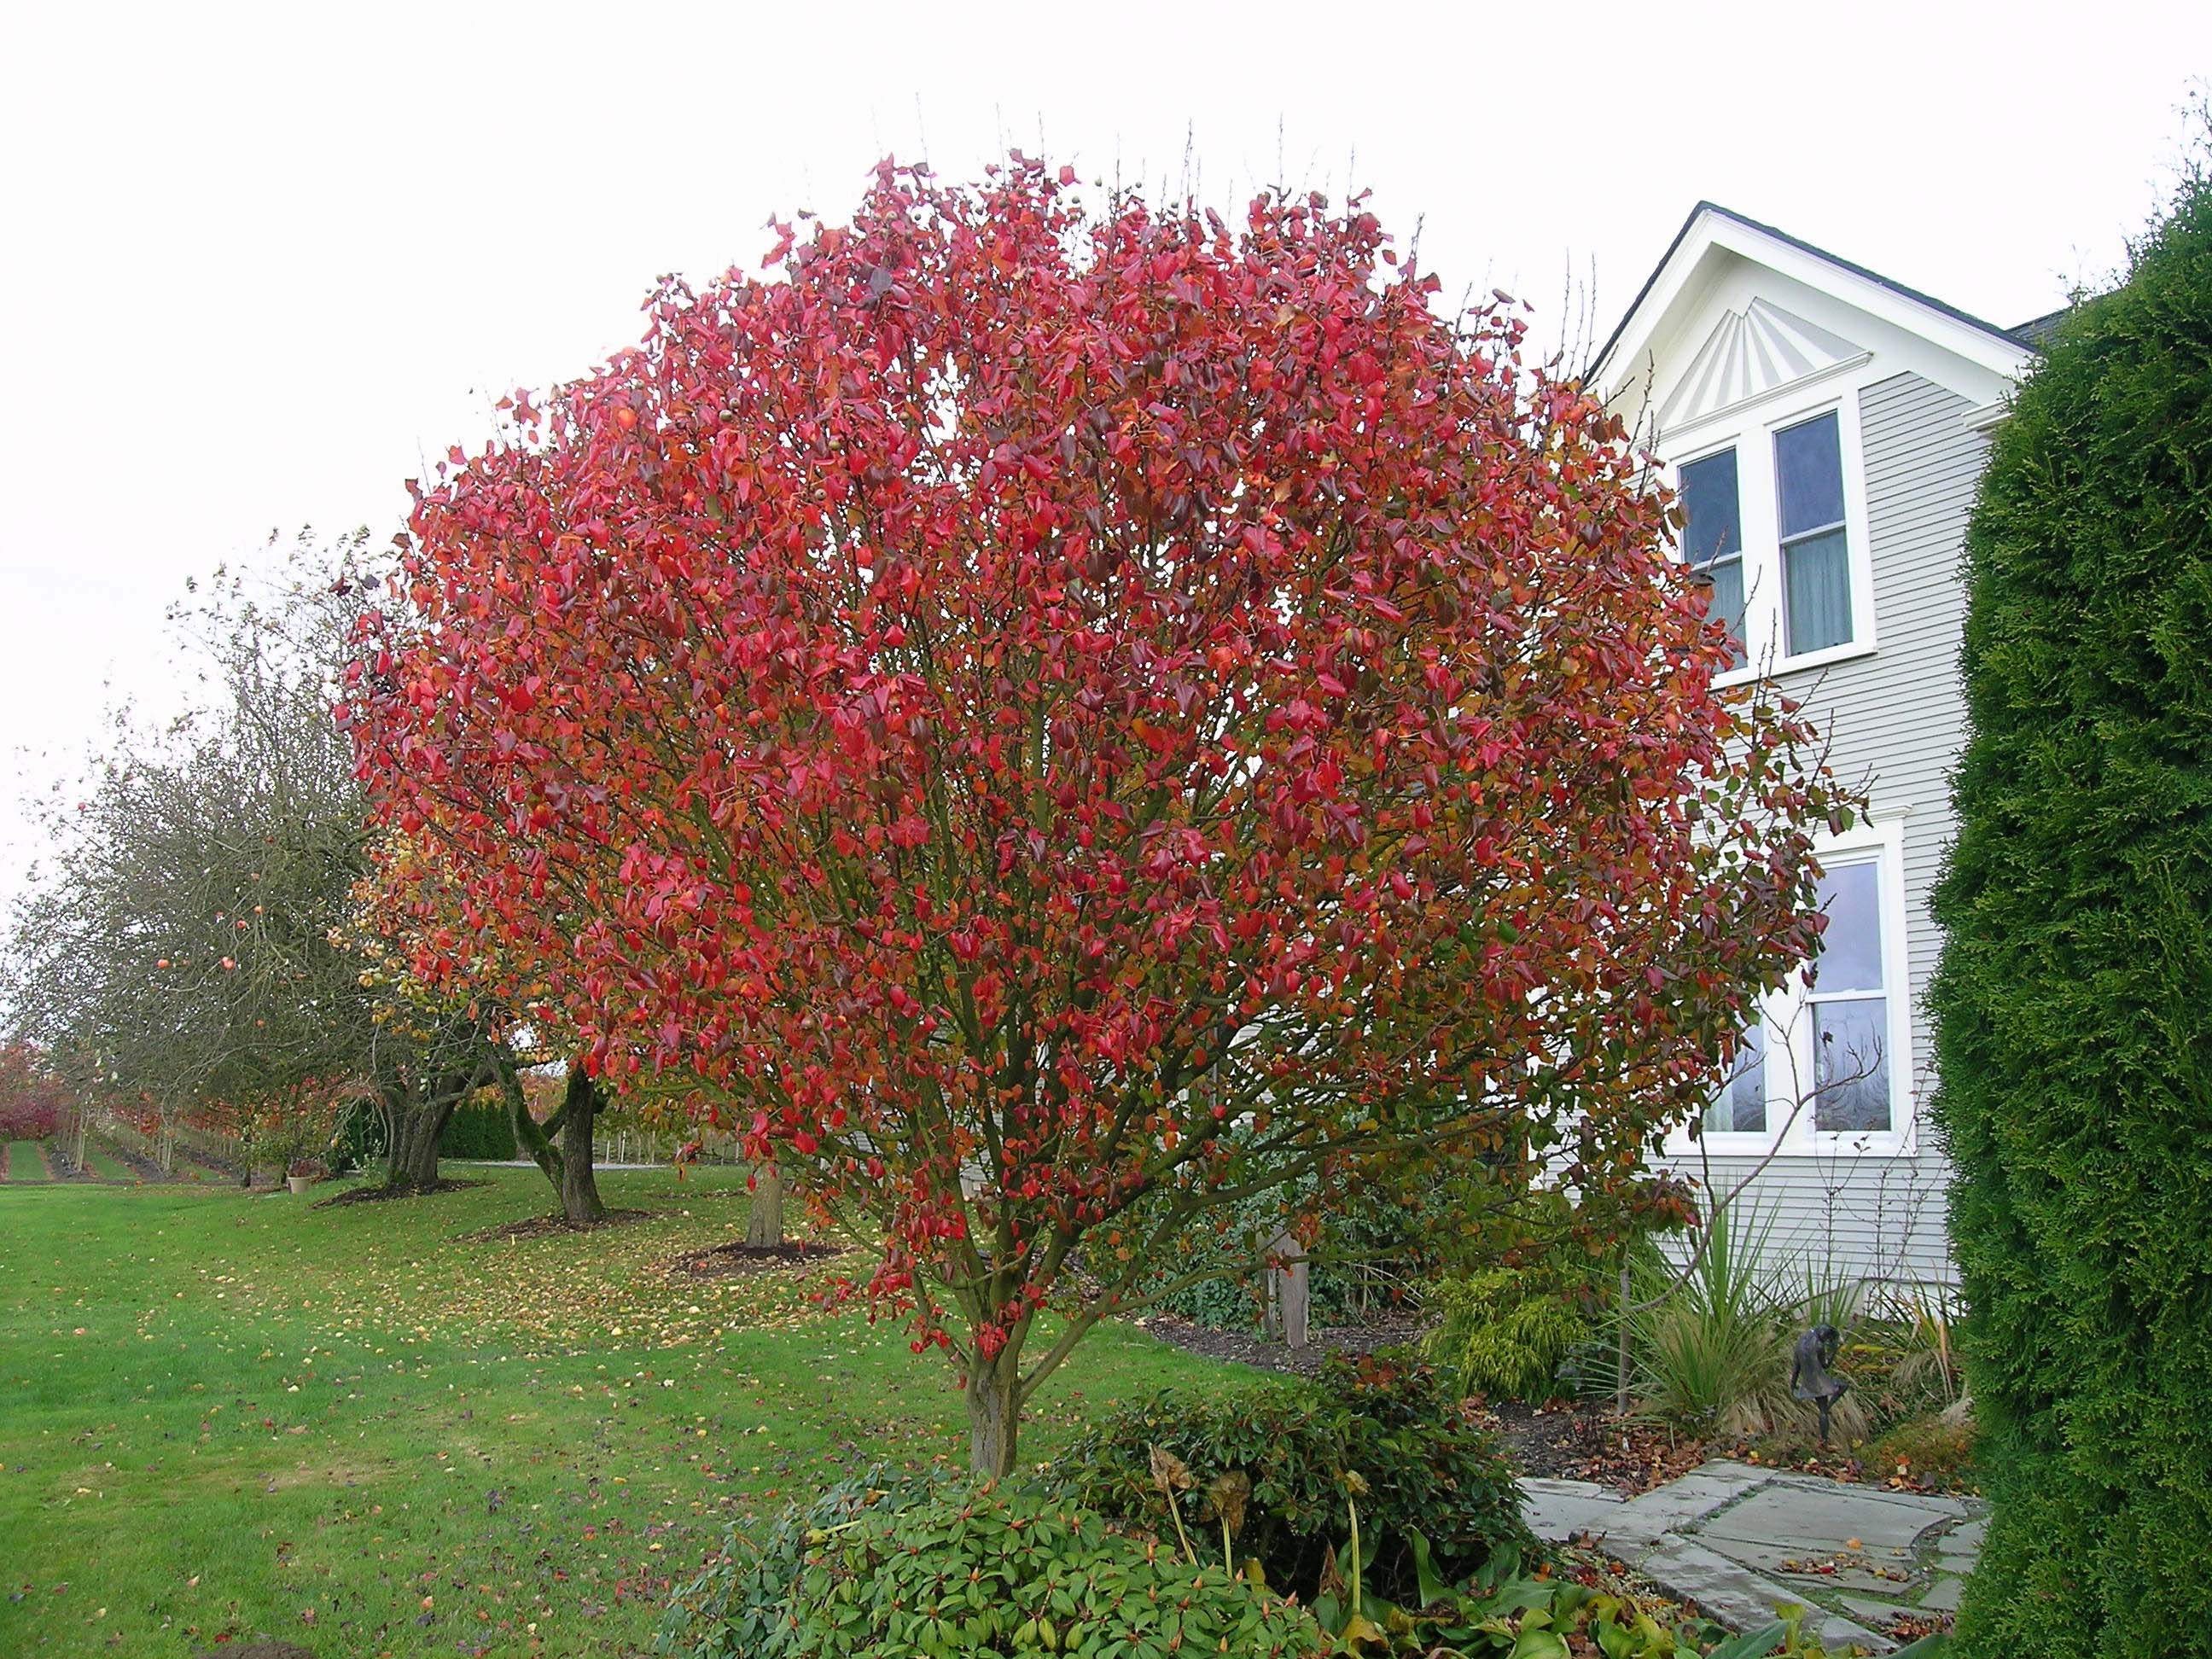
{"points": [[25, 1161], [106, 1165], [225, 1416]]}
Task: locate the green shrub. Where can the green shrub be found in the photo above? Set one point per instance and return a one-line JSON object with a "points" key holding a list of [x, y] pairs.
{"points": [[2073, 1002], [1509, 1330], [1506, 1331], [1367, 1250], [1291, 1452], [1925, 1448], [1713, 1355], [478, 1130], [1500, 1614], [911, 1569]]}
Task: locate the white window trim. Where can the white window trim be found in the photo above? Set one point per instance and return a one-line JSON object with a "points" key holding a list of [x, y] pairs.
{"points": [[1789, 1060], [1751, 433]]}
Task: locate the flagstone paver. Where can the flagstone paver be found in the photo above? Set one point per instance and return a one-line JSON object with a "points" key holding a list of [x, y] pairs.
{"points": [[1741, 1540]]}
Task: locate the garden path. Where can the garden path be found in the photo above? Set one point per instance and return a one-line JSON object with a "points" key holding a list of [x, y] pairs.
{"points": [[1740, 1540]]}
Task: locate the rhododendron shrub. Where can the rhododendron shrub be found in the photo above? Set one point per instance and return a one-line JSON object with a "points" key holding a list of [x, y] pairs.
{"points": [[1077, 714]]}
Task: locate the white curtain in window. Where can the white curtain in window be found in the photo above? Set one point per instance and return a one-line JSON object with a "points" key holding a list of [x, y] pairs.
{"points": [[1817, 577]]}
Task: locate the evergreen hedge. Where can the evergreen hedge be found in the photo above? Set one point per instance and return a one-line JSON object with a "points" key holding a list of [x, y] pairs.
{"points": [[478, 1130], [2074, 1005]]}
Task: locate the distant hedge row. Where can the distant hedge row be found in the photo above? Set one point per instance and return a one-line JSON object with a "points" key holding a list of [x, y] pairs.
{"points": [[2074, 1005], [475, 1130]]}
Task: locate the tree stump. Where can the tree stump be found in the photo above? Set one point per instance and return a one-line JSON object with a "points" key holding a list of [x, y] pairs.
{"points": [[1288, 1292]]}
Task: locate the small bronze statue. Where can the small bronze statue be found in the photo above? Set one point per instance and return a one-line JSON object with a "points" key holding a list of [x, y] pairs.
{"points": [[1809, 1376]]}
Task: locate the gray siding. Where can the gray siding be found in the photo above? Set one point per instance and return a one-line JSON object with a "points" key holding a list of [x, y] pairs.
{"points": [[1896, 719]]}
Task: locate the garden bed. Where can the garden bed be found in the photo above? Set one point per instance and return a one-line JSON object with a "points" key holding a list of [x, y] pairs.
{"points": [[1249, 1347], [377, 1193], [543, 1226], [731, 1260], [1565, 1440]]}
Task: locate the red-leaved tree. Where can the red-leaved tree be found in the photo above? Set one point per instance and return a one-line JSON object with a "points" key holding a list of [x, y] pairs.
{"points": [[1082, 717], [34, 1097]]}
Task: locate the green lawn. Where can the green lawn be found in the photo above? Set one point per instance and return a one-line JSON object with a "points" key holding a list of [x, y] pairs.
{"points": [[106, 1165], [225, 1416], [25, 1162]]}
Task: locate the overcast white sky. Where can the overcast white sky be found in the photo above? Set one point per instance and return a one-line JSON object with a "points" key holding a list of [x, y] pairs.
{"points": [[255, 264]]}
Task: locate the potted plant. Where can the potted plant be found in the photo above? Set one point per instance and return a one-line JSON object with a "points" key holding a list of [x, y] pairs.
{"points": [[302, 1173], [281, 1145]]}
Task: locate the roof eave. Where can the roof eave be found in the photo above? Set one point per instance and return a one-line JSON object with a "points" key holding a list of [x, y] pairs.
{"points": [[1710, 225]]}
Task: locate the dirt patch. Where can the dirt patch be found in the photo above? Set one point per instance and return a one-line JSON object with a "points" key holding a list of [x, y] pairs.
{"points": [[1249, 1347], [543, 1226], [730, 1260], [380, 1194], [1567, 1442]]}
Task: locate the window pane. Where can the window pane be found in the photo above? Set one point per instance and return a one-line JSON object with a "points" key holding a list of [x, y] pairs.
{"points": [[1713, 525], [1851, 946], [1724, 603], [1850, 1066], [1816, 579], [1739, 1108], [1808, 465]]}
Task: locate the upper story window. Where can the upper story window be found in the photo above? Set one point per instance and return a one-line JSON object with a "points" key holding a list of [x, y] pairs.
{"points": [[1712, 537], [1772, 520], [1816, 567]]}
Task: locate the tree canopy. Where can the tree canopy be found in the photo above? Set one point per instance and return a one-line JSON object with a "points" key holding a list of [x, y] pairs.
{"points": [[1077, 715]]}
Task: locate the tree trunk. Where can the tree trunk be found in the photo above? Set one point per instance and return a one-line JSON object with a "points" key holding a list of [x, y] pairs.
{"points": [[570, 1166], [764, 1226], [417, 1120], [580, 1185], [993, 1415], [1289, 1293], [412, 1165]]}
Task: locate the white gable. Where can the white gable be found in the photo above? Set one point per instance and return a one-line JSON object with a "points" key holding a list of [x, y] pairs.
{"points": [[1736, 312], [1750, 353]]}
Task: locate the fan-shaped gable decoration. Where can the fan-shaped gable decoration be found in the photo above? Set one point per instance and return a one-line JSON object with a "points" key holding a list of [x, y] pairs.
{"points": [[1749, 353]]}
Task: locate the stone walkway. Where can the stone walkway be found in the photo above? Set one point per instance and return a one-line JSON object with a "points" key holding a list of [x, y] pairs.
{"points": [[1741, 1540]]}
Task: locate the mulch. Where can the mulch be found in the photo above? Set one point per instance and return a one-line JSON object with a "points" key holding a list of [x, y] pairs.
{"points": [[1249, 1347], [544, 1226], [730, 1260], [378, 1194], [1854, 1472], [1562, 1441], [1567, 1441]]}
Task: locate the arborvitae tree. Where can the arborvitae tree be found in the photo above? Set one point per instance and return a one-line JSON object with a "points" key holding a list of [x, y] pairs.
{"points": [[2074, 1008]]}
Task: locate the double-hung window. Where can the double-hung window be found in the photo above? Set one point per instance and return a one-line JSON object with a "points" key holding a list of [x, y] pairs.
{"points": [[1739, 1106], [1847, 1004], [1768, 521], [1820, 1061], [1712, 539], [1816, 560]]}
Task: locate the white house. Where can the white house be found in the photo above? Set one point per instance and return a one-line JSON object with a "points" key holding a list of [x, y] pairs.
{"points": [[1826, 427]]}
